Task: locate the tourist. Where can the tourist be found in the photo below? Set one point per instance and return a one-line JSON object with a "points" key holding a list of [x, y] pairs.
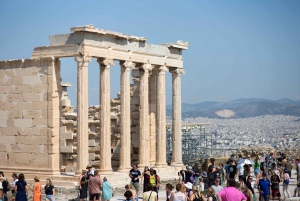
{"points": [[248, 191], [197, 173], [204, 181], [285, 185], [13, 184], [154, 180], [297, 189], [169, 191], [49, 190], [226, 169], [217, 187], [21, 188], [144, 179], [149, 195], [210, 194], [231, 193], [298, 172], [5, 183], [181, 175], [275, 180], [257, 168], [279, 160], [296, 165], [212, 164], [179, 195], [83, 185], [128, 195], [189, 175], [3, 197], [288, 166], [188, 186], [106, 190], [135, 175], [196, 195], [222, 173], [37, 189], [94, 185], [211, 176], [90, 171], [232, 170], [264, 188], [253, 183], [246, 173], [232, 157], [129, 187], [265, 166]]}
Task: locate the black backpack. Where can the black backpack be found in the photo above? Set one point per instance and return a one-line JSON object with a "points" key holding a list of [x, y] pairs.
{"points": [[262, 166], [5, 185]]}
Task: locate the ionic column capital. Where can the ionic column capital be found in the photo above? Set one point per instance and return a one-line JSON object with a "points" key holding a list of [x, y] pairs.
{"points": [[146, 67], [81, 60], [127, 64], [163, 69], [105, 62], [178, 71]]}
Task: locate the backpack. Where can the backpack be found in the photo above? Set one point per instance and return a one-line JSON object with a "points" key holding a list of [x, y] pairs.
{"points": [[5, 185], [287, 181], [262, 166]]}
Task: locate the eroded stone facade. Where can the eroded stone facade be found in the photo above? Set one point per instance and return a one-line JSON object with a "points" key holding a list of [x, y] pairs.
{"points": [[40, 131]]}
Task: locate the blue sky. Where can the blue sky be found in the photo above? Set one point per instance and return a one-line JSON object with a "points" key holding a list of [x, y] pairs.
{"points": [[238, 49]]}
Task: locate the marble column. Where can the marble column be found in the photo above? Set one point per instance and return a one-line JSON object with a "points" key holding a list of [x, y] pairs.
{"points": [[161, 159], [176, 118], [144, 116], [152, 116], [82, 113], [105, 129], [125, 158]]}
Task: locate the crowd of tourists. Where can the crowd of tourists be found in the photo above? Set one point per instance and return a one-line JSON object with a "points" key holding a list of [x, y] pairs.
{"points": [[235, 180], [241, 175], [20, 188]]}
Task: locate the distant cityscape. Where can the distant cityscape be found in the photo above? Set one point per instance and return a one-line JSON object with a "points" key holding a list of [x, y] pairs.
{"points": [[225, 135]]}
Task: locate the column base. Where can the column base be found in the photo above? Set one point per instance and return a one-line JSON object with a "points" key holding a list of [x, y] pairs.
{"points": [[161, 165], [106, 172], [176, 164]]}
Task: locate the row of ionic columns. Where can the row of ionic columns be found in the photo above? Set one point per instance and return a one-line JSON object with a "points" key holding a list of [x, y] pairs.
{"points": [[144, 130]]}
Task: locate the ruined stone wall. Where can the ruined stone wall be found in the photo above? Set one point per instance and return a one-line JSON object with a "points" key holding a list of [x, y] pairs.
{"points": [[30, 115]]}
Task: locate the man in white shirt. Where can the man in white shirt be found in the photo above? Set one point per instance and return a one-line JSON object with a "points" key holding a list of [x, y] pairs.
{"points": [[217, 187]]}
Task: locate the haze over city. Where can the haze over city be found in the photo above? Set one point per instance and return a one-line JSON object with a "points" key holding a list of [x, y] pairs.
{"points": [[237, 49]]}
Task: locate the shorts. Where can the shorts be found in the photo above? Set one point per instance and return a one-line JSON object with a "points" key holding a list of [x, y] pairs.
{"points": [[48, 197], [136, 185], [257, 171], [96, 195], [276, 193]]}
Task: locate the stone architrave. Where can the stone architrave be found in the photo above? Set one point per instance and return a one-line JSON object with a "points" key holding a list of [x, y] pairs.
{"points": [[161, 117], [176, 118], [105, 129], [82, 112], [144, 116], [125, 116]]}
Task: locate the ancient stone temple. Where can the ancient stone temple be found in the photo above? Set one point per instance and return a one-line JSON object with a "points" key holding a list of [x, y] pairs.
{"points": [[40, 131]]}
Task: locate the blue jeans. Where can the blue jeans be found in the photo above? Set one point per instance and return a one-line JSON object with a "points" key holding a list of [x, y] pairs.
{"points": [[196, 178]]}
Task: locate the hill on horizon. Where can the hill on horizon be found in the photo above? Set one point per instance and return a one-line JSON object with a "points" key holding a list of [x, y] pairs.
{"points": [[239, 108]]}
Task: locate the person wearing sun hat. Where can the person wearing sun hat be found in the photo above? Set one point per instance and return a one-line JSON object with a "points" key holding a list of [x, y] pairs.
{"points": [[189, 187], [90, 171], [36, 188]]}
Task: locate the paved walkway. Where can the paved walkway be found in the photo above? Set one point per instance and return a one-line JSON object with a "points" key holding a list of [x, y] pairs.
{"points": [[162, 193]]}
